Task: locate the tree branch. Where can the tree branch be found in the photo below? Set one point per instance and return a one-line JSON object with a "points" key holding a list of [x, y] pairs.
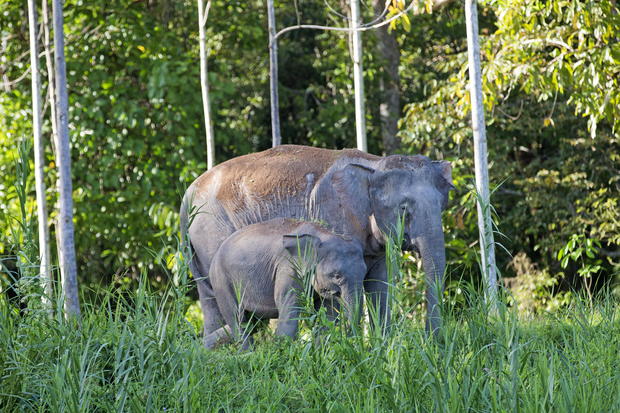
{"points": [[437, 5], [440, 4], [611, 254], [361, 28], [205, 14], [552, 42], [21, 77]]}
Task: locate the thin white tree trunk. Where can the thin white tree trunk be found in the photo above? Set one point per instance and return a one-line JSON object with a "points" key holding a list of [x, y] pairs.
{"points": [[485, 224], [273, 76], [45, 272], [51, 92], [68, 268], [358, 78], [203, 14]]}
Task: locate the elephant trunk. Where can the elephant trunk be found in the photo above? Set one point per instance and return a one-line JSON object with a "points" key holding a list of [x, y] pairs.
{"points": [[432, 250]]}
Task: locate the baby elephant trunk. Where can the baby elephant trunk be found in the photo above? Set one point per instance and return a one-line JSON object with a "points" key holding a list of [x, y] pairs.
{"points": [[352, 298]]}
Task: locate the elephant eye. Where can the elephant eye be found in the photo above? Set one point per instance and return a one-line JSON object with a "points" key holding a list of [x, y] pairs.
{"points": [[404, 212], [407, 204]]}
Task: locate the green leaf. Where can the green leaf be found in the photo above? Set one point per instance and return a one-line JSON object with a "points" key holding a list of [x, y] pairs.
{"points": [[406, 23]]}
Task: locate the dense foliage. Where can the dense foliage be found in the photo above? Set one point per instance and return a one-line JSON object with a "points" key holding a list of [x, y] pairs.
{"points": [[551, 73]]}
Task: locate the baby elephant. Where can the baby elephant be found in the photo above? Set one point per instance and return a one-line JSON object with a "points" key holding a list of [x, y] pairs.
{"points": [[257, 271]]}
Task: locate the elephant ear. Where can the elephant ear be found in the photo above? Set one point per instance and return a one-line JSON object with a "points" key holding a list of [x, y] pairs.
{"points": [[444, 183], [350, 183], [445, 171], [300, 244], [379, 184], [350, 175], [360, 167]]}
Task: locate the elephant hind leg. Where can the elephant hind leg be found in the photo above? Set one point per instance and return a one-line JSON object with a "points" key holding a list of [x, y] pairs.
{"points": [[212, 318]]}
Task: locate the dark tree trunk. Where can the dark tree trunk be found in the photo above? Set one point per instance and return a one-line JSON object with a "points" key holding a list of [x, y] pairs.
{"points": [[389, 84]]}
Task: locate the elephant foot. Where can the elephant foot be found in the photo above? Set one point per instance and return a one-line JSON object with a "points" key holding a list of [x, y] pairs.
{"points": [[247, 344], [222, 335]]}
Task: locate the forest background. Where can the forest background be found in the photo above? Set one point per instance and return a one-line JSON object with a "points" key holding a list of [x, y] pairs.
{"points": [[550, 70]]}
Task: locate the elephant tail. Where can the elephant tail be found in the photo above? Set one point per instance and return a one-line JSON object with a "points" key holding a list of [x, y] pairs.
{"points": [[186, 244]]}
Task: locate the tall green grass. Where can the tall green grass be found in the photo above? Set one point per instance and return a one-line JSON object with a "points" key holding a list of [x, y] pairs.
{"points": [[139, 353]]}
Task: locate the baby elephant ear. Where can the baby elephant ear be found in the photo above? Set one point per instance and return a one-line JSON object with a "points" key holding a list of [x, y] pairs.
{"points": [[445, 169], [299, 244]]}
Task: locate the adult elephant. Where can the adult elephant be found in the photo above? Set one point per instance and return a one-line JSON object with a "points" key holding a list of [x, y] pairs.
{"points": [[354, 193]]}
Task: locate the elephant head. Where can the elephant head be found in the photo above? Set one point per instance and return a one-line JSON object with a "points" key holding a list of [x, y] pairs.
{"points": [[339, 268], [414, 190]]}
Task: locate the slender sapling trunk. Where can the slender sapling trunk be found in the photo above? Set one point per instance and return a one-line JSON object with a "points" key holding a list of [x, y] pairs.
{"points": [[358, 78], [39, 159], [203, 14], [485, 224], [273, 76], [68, 268]]}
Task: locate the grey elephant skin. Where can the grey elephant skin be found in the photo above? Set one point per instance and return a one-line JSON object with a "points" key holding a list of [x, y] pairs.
{"points": [[352, 192], [261, 270]]}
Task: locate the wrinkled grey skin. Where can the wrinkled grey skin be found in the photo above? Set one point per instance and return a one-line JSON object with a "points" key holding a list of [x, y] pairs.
{"points": [[352, 192], [255, 271]]}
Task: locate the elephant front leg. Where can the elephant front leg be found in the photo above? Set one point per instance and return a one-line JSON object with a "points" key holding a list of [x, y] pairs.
{"points": [[288, 324], [222, 335], [288, 319], [289, 307], [376, 288], [235, 316]]}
